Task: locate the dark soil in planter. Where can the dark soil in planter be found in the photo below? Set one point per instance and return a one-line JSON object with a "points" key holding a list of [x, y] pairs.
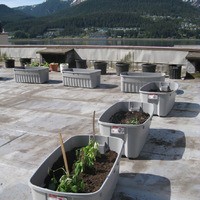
{"points": [[129, 117], [93, 179], [158, 90]]}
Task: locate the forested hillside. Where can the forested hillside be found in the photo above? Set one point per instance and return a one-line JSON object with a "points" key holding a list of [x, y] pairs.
{"points": [[117, 18]]}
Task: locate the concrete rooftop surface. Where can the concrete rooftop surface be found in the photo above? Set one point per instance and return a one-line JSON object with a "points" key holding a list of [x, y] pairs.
{"points": [[32, 115]]}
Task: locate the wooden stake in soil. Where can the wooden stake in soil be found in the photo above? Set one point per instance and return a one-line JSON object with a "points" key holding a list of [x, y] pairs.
{"points": [[94, 124], [64, 154]]}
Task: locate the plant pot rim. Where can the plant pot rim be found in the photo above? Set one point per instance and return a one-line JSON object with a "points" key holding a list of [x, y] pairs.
{"points": [[122, 63], [9, 59], [100, 61], [148, 64], [80, 60]]}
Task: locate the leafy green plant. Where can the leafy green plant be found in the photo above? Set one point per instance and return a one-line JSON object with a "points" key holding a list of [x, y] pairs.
{"points": [[66, 183], [134, 121], [34, 64], [45, 64], [86, 157], [3, 57]]}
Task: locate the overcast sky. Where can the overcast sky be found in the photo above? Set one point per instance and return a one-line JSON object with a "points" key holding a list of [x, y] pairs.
{"points": [[16, 3]]}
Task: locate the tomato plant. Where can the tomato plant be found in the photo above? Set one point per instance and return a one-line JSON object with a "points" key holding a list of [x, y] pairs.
{"points": [[86, 157]]}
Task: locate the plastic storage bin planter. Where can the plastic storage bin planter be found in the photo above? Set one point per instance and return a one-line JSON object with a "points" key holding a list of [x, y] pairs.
{"points": [[31, 75], [133, 81], [159, 94], [36, 182], [85, 78], [134, 136], [63, 66]]}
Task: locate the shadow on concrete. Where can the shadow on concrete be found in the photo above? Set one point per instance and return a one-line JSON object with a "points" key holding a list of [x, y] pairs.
{"points": [[132, 186], [107, 86], [184, 109], [5, 79], [111, 73], [163, 144], [179, 92], [55, 81]]}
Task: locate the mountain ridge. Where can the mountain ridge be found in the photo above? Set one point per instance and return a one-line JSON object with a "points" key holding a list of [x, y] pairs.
{"points": [[47, 8]]}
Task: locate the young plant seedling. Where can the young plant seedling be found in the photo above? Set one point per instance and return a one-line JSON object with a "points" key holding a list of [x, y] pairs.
{"points": [[86, 157]]}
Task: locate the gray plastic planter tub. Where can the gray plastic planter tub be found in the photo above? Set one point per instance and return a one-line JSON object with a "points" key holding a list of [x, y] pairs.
{"points": [[163, 101], [134, 136], [31, 75], [36, 182], [85, 78], [133, 81]]}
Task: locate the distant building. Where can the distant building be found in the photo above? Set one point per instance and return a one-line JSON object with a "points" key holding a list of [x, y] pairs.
{"points": [[53, 32]]}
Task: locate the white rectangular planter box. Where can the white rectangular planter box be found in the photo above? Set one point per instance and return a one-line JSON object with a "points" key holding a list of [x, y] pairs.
{"points": [[85, 78], [134, 136], [162, 101], [104, 193], [31, 75], [133, 81]]}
